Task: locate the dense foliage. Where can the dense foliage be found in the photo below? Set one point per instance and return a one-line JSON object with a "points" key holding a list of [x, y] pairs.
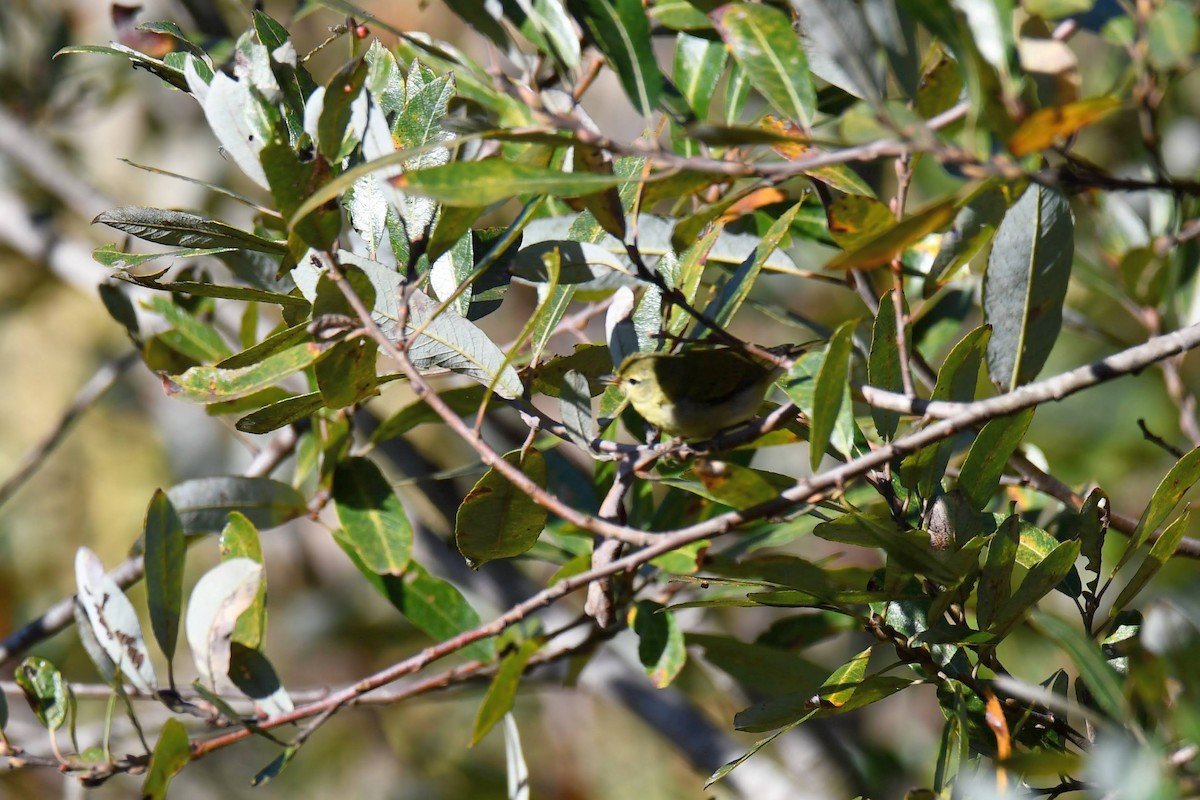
{"points": [[927, 193]]}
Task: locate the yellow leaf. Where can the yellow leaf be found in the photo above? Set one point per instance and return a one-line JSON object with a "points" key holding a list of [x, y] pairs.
{"points": [[1044, 127]]}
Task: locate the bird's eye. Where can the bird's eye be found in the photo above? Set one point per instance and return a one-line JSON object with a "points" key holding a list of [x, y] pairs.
{"points": [[633, 381]]}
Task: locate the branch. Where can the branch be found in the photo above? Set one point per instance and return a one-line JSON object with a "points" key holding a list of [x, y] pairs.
{"points": [[1055, 388]]}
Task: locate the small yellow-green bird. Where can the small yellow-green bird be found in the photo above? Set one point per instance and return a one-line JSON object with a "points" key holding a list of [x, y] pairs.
{"points": [[698, 392]]}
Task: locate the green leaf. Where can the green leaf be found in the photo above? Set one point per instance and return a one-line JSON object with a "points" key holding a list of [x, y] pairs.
{"points": [[204, 504], [660, 642], [759, 745], [503, 689], [498, 520], [217, 600], [1026, 284], [980, 473], [735, 291], [462, 400], [956, 381], [476, 183], [372, 516], [831, 393], [280, 414], [276, 766], [214, 384], [189, 336], [346, 373], [995, 582], [576, 400], [46, 691], [882, 247], [169, 74], [239, 539], [183, 229], [171, 754], [1172, 34], [974, 226], [254, 676], [1170, 491], [1162, 550], [1039, 581], [622, 32], [840, 47], [765, 46], [883, 364], [699, 64], [435, 606], [341, 91], [1094, 670], [451, 342], [771, 671], [164, 562]]}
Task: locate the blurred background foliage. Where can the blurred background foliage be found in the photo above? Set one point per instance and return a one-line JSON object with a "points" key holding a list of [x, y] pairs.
{"points": [[63, 124]]}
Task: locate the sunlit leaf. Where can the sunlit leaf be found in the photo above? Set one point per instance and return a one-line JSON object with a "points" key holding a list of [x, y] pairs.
{"points": [[372, 516], [171, 754], [765, 46], [218, 599], [503, 689], [660, 641], [114, 622], [498, 520]]}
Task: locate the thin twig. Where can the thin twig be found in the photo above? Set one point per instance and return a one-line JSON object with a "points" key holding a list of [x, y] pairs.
{"points": [[62, 613], [92, 391]]}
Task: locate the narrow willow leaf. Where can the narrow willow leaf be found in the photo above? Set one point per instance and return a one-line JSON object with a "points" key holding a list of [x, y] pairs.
{"points": [[204, 504], [831, 392], [433, 605], [1026, 284], [975, 224], [171, 75], [281, 414], [759, 745], [114, 621], [854, 219], [164, 560], [218, 599], [839, 686], [183, 229], [1160, 552], [503, 689], [276, 766], [476, 183], [1170, 491], [883, 364], [372, 516], [451, 342], [881, 248], [254, 676], [995, 582], [767, 49], [46, 691], [334, 125], [956, 381], [660, 642], [840, 47], [1094, 670], [759, 668], [1045, 126], [735, 291], [462, 401], [1039, 581], [575, 397], [980, 473], [214, 384], [239, 539], [498, 520], [699, 64], [622, 32], [171, 754]]}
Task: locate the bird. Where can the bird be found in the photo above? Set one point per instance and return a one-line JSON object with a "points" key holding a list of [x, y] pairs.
{"points": [[699, 391]]}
